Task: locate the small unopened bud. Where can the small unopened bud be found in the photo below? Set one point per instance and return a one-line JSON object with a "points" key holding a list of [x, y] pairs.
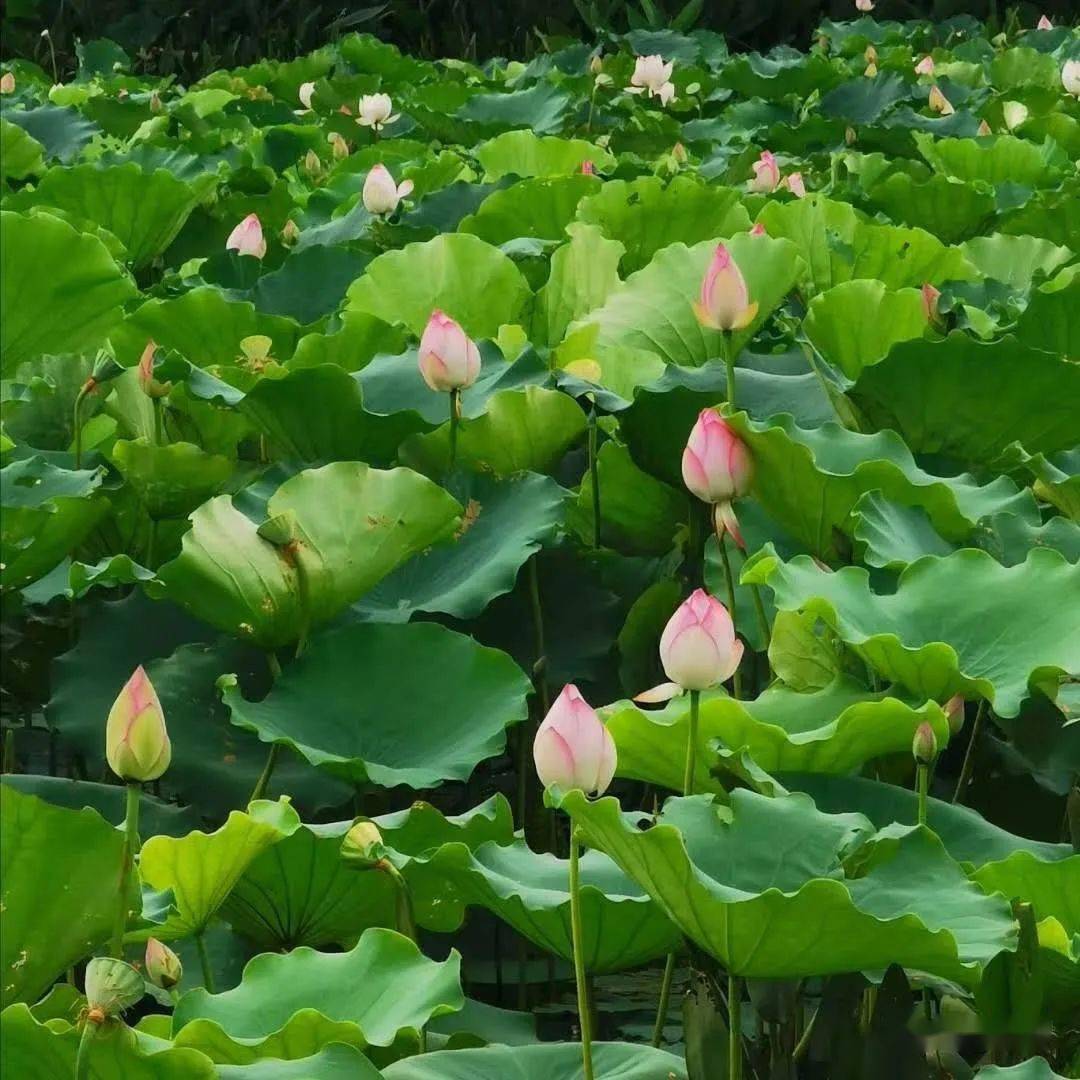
{"points": [[136, 742], [603, 79], [155, 103], [111, 987], [870, 54], [150, 386], [290, 232], [163, 967], [312, 165], [849, 136], [596, 64], [338, 146], [7, 83], [678, 152], [924, 745], [954, 713], [983, 128], [362, 848]]}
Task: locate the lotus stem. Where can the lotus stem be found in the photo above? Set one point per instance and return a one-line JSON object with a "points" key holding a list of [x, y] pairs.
{"points": [[922, 783], [82, 1059], [584, 1016], [159, 422], [594, 477], [455, 416], [204, 962], [763, 621], [691, 743], [969, 755], [665, 1000], [127, 860], [734, 1028], [86, 389], [729, 363], [259, 790], [736, 679]]}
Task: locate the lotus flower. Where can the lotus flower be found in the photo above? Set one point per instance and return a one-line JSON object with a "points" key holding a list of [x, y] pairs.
{"points": [[925, 66], [381, 194], [794, 183], [588, 168], [163, 967], [572, 747], [864, 5], [939, 103], [247, 238], [1070, 77], [376, 111], [924, 744], [305, 94], [871, 70], [449, 358], [1014, 114], [150, 386], [362, 848], [1044, 23], [653, 76], [724, 302], [716, 464], [136, 741], [983, 128], [758, 230], [7, 83], [699, 648], [930, 297], [766, 173], [954, 713], [290, 232]]}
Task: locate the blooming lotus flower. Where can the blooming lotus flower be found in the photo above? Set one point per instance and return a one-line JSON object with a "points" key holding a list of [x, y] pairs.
{"points": [[1014, 114], [7, 83], [247, 238], [724, 302], [954, 713], [1070, 77], [1044, 23], [698, 647], [758, 230], [766, 173], [305, 94], [864, 5], [449, 358], [163, 967], [666, 93], [716, 464], [572, 747], [939, 103], [376, 111], [930, 297], [794, 183], [136, 742], [924, 744], [381, 194], [925, 66], [653, 76]]}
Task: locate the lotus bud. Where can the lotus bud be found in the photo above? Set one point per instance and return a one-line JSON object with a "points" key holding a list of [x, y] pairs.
{"points": [[870, 54], [864, 5], [449, 358], [954, 713], [652, 75], [305, 93], [1014, 114], [338, 146], [363, 848], [111, 987], [136, 741], [147, 383], [155, 103], [924, 745], [7, 83], [1044, 23], [678, 152], [163, 967], [588, 168], [1070, 77], [930, 297], [716, 464], [871, 71], [376, 111], [766, 174], [313, 165], [849, 136], [698, 647], [381, 194], [603, 79], [247, 238], [726, 523], [290, 232], [724, 301], [794, 183], [938, 102], [596, 64], [572, 747], [925, 66], [758, 229]]}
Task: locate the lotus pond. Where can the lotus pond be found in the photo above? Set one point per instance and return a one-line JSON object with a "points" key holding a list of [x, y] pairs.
{"points": [[545, 570]]}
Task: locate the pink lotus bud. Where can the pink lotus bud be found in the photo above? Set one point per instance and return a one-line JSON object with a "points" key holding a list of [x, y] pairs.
{"points": [[725, 522], [930, 297], [678, 152], [1044, 23], [983, 128], [925, 66], [924, 745], [864, 5], [794, 183], [7, 83], [758, 230], [572, 747], [954, 712], [147, 383], [376, 111], [588, 168], [136, 742], [698, 647], [305, 94], [290, 232], [163, 967], [939, 103], [1070, 77], [247, 238], [766, 173], [449, 358], [724, 302], [381, 194], [716, 464]]}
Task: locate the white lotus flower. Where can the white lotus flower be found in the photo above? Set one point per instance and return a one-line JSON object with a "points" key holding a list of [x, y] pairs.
{"points": [[376, 111]]}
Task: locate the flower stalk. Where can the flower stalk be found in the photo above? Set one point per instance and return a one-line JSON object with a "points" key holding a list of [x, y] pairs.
{"points": [[584, 1015]]}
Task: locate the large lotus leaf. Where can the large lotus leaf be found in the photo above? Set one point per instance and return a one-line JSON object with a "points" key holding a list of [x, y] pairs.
{"points": [[809, 481], [505, 522], [359, 339], [1052, 888], [34, 1050], [412, 704], [330, 1063], [1004, 159], [558, 1061], [1057, 479], [470, 280], [541, 108], [1015, 260], [834, 730], [539, 208], [645, 215], [352, 526], [653, 309], [525, 430], [60, 871], [745, 881], [170, 480], [949, 209], [201, 868], [523, 153], [145, 210], [855, 324], [60, 290], [291, 1006], [47, 511], [1033, 1069], [963, 623], [1050, 320], [775, 77], [621, 927], [970, 399], [20, 153]]}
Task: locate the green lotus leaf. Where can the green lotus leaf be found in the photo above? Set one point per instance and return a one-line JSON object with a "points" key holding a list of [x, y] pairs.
{"points": [[521, 430], [332, 705], [894, 897], [1053, 216], [202, 868], [653, 309], [611, 1061], [1057, 479], [801, 654], [1035, 1068], [171, 480], [331, 1062], [621, 927], [833, 730], [863, 101], [1002, 159], [145, 210], [855, 324], [60, 290], [951, 210], [48, 929], [47, 511], [63, 132], [541, 108], [360, 338], [1050, 320], [1052, 888], [20, 153], [963, 623], [970, 399], [645, 215], [774, 78], [309, 284], [541, 208], [470, 280], [1015, 260], [106, 573], [290, 1006], [809, 481], [505, 522], [523, 153], [351, 525]]}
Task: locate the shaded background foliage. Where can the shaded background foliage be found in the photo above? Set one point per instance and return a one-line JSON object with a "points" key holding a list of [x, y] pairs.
{"points": [[190, 39]]}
